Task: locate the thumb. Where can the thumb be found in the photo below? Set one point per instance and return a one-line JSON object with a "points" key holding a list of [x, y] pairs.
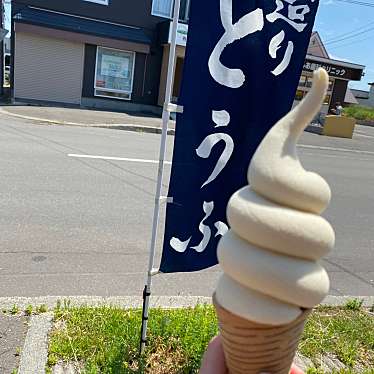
{"points": [[294, 370]]}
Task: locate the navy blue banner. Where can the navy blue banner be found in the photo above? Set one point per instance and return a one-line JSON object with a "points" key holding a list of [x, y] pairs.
{"points": [[242, 68]]}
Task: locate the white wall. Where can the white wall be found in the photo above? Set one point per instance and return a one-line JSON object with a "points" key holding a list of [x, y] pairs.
{"points": [[368, 102]]}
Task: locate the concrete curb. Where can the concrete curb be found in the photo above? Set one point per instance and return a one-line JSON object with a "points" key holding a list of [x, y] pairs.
{"points": [[35, 350], [112, 126], [368, 301], [122, 301], [136, 301]]}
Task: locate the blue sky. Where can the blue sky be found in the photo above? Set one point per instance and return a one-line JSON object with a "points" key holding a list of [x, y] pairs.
{"points": [[335, 19]]}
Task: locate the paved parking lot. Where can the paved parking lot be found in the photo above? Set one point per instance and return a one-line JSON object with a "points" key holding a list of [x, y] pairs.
{"points": [[82, 226]]}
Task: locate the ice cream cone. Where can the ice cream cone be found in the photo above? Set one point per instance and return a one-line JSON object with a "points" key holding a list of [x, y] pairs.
{"points": [[256, 348]]}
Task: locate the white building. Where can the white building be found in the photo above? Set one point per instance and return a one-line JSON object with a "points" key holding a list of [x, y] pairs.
{"points": [[365, 98]]}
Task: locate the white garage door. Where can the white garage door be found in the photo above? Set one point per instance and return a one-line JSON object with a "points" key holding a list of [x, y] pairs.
{"points": [[48, 69]]}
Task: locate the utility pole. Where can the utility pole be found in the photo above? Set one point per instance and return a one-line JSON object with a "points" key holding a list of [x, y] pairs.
{"points": [[3, 33]]}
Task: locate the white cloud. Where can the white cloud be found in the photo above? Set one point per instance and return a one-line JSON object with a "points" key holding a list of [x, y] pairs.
{"points": [[339, 58], [327, 2]]}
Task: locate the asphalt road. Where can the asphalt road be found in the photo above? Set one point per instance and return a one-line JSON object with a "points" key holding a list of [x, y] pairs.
{"points": [[82, 226]]}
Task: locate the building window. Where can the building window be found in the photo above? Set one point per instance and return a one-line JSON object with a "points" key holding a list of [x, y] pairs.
{"points": [[302, 81], [185, 10], [305, 81], [102, 2], [114, 73], [309, 82], [162, 8]]}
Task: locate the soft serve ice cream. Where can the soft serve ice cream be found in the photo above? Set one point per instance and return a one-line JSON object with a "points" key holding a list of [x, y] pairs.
{"points": [[270, 255]]}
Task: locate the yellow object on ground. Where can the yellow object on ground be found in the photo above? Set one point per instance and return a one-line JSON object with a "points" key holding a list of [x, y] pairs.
{"points": [[338, 126]]}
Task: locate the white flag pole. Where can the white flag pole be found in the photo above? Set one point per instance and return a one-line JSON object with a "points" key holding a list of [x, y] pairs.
{"points": [[168, 108]]}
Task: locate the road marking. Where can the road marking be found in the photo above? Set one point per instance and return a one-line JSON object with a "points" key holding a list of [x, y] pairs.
{"points": [[140, 160], [336, 156], [336, 149], [145, 161], [363, 135]]}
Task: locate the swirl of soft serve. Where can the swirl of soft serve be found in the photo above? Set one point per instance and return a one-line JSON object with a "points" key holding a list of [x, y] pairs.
{"points": [[270, 255]]}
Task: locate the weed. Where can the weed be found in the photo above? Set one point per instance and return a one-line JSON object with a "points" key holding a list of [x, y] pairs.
{"points": [[18, 351], [42, 309], [344, 333], [14, 310], [354, 304], [347, 352], [28, 310], [314, 371]]}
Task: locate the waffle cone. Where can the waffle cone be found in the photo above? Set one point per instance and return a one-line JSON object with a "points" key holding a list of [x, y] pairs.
{"points": [[253, 348]]}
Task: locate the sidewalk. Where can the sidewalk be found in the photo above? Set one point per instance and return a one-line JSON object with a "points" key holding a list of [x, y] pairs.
{"points": [[12, 335], [87, 118]]}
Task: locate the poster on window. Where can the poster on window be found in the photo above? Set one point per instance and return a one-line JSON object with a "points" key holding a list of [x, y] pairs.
{"points": [[242, 68], [115, 66]]}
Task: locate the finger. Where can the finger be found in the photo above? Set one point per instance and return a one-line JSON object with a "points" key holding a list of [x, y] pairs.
{"points": [[296, 370], [214, 358]]}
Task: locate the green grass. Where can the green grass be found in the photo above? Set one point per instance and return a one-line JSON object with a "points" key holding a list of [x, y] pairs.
{"points": [[342, 371], [15, 309], [106, 339], [359, 112], [28, 310], [41, 309], [346, 334], [354, 304]]}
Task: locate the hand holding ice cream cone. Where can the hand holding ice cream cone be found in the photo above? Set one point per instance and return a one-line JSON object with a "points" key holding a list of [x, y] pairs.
{"points": [[214, 360], [270, 257]]}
